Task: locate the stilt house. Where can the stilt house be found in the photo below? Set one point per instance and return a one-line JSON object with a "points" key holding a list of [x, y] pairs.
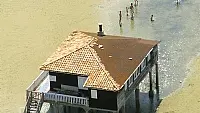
{"points": [[96, 71]]}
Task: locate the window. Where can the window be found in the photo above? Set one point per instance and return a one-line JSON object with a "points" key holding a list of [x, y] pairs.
{"points": [[94, 94], [130, 81], [138, 71], [135, 75], [52, 78], [81, 81], [143, 65]]}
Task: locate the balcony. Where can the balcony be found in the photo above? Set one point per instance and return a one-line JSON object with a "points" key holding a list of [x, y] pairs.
{"points": [[68, 99]]}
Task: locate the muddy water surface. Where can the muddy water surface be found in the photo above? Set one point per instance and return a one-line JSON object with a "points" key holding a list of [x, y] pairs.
{"points": [[30, 30]]}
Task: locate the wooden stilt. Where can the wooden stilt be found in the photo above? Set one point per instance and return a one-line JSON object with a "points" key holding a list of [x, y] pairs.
{"points": [[69, 109], [79, 110], [124, 108], [56, 107], [65, 109], [137, 99], [86, 110], [151, 93], [157, 81]]}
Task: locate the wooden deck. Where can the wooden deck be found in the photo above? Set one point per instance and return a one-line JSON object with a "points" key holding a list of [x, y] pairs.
{"points": [[35, 99]]}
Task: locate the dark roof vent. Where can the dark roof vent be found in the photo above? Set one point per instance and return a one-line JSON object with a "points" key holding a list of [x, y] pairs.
{"points": [[100, 32]]}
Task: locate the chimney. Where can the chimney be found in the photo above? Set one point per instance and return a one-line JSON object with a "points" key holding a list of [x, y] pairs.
{"points": [[100, 32]]}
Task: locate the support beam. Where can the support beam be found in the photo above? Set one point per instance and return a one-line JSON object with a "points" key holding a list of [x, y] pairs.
{"points": [[69, 109], [65, 109], [124, 108], [151, 93], [56, 106], [79, 110], [137, 99], [86, 110], [157, 81]]}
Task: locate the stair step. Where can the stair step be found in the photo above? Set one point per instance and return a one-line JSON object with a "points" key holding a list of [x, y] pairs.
{"points": [[33, 106], [32, 109], [33, 101], [31, 112]]}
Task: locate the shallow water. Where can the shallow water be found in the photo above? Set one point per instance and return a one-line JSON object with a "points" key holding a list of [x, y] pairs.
{"points": [[177, 27], [31, 30]]}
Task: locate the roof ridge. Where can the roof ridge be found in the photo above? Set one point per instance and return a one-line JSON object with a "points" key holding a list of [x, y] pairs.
{"points": [[105, 71], [72, 51]]}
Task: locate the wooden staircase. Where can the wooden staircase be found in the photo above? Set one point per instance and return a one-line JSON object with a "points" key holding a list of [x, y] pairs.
{"points": [[34, 102]]}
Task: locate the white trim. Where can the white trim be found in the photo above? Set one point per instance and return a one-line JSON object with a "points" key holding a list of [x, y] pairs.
{"points": [[125, 86], [148, 57]]}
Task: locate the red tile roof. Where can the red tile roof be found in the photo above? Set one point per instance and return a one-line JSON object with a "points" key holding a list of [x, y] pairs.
{"points": [[104, 59]]}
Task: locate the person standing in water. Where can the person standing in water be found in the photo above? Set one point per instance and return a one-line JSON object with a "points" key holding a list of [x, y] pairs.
{"points": [[131, 7], [152, 19], [132, 15], [120, 18], [126, 11], [136, 3], [178, 2], [131, 11]]}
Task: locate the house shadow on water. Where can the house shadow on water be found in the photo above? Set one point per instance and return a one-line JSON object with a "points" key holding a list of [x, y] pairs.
{"points": [[147, 104]]}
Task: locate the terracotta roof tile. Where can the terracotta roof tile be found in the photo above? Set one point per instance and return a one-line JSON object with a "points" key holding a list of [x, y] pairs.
{"points": [[72, 43], [81, 53]]}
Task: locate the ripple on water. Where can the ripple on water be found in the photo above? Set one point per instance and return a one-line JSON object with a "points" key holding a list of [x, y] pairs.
{"points": [[176, 27]]}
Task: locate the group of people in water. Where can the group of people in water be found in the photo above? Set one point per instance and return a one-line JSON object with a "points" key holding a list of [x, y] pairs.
{"points": [[127, 10], [131, 8]]}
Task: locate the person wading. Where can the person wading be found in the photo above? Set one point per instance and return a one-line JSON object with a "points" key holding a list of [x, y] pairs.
{"points": [[131, 7], [120, 18], [126, 11], [131, 11], [152, 19], [136, 3]]}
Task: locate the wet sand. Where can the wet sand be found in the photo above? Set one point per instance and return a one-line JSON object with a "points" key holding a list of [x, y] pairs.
{"points": [[186, 99], [30, 31]]}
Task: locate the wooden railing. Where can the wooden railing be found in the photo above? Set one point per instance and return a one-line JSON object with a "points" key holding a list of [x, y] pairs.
{"points": [[66, 99], [28, 102], [40, 97]]}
